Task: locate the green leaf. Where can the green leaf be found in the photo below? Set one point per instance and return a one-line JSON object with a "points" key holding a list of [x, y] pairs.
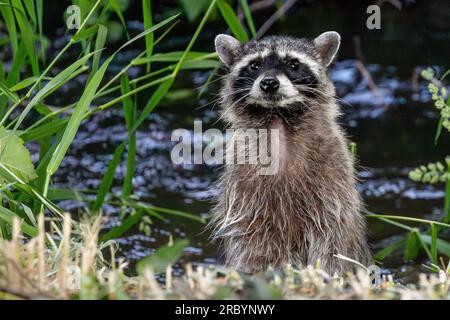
{"points": [[383, 253], [8, 16], [118, 11], [8, 216], [438, 131], [7, 92], [124, 226], [248, 17], [25, 83], [129, 109], [76, 118], [178, 213], [163, 257], [447, 200], [442, 245], [99, 46], [55, 82], [15, 157], [232, 21], [434, 237], [65, 194], [193, 8], [148, 22], [85, 33], [174, 56], [107, 179], [199, 64], [27, 33], [412, 246]]}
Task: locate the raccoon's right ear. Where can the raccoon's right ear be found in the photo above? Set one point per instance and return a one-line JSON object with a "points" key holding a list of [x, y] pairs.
{"points": [[227, 48], [327, 44]]}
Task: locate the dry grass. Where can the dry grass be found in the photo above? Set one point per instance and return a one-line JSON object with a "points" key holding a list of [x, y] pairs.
{"points": [[67, 263]]}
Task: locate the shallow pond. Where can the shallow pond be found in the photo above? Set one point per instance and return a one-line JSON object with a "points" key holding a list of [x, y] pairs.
{"points": [[393, 127]]}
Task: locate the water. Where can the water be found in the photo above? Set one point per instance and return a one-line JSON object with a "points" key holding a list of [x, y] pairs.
{"points": [[393, 134]]}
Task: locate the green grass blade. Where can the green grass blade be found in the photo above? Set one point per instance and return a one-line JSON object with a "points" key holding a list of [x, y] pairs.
{"points": [[18, 64], [27, 33], [8, 216], [85, 33], [148, 31], [39, 15], [385, 216], [76, 118], [148, 22], [126, 224], [155, 99], [438, 130], [99, 46], [248, 17], [447, 200], [412, 246], [232, 21], [387, 251], [107, 179], [58, 80], [442, 245], [23, 186], [10, 23], [163, 257], [434, 248], [25, 83], [129, 109], [424, 245], [8, 93], [31, 10], [194, 37], [178, 213], [113, 4]]}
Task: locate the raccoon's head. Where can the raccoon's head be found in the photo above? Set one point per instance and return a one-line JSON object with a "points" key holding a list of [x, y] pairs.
{"points": [[277, 73]]}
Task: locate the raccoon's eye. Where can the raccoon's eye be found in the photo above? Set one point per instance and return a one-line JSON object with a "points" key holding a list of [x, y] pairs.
{"points": [[293, 64], [254, 66]]}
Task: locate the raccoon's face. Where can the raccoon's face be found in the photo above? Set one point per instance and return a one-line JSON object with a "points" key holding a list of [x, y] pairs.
{"points": [[277, 72]]}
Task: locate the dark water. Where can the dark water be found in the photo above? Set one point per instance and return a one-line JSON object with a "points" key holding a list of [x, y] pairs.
{"points": [[394, 133]]}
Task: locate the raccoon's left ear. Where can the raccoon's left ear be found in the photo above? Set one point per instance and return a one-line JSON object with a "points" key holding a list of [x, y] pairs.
{"points": [[327, 44], [227, 48]]}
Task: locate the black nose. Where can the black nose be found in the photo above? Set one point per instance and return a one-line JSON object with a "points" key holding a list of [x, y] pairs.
{"points": [[269, 84]]}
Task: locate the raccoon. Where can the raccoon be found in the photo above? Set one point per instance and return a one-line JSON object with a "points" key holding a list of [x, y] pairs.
{"points": [[310, 210]]}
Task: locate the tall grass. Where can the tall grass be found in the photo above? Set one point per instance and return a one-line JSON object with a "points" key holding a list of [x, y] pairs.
{"points": [[26, 190]]}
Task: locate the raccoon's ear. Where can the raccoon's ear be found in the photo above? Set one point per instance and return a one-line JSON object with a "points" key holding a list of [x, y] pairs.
{"points": [[327, 44], [227, 48]]}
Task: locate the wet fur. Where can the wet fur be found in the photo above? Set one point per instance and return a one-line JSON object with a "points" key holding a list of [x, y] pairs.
{"points": [[311, 209]]}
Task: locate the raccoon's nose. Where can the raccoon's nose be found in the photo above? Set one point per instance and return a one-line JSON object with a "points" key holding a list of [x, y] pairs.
{"points": [[269, 84]]}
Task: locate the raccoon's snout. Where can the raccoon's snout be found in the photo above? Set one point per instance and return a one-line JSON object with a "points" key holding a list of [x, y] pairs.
{"points": [[269, 84]]}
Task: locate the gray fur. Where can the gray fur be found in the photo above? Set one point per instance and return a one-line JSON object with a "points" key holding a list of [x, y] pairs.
{"points": [[311, 209], [227, 48], [327, 44]]}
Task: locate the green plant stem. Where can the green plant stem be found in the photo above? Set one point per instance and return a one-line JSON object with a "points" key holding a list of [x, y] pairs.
{"points": [[384, 216]]}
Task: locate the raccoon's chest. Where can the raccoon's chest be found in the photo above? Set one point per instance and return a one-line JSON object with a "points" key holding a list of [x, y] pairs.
{"points": [[281, 139]]}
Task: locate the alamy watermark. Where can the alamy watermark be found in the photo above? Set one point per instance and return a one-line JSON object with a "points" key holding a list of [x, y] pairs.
{"points": [[373, 21], [73, 19], [258, 147]]}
